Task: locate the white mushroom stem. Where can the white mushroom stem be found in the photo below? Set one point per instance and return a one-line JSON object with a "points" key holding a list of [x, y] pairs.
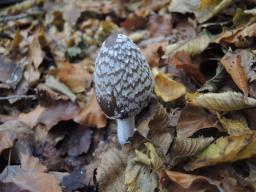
{"points": [[125, 129]]}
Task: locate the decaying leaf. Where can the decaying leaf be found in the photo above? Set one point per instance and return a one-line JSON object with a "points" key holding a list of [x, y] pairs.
{"points": [[187, 180], [58, 86], [232, 63], [248, 61], [30, 176], [193, 119], [10, 131], [91, 114], [232, 126], [75, 76], [226, 101], [187, 147], [209, 8], [139, 177], [110, 172], [225, 149], [166, 88]]}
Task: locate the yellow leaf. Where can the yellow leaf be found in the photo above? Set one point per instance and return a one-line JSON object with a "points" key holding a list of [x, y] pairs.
{"points": [[151, 158], [232, 126], [166, 88], [225, 149], [226, 101], [139, 177]]}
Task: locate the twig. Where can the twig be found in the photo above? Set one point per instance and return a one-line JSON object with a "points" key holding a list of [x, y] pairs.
{"points": [[18, 97]]}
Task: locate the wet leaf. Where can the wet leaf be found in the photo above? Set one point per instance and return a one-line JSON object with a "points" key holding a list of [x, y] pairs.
{"points": [[226, 101], [187, 147], [91, 114], [166, 88], [225, 149], [232, 63], [193, 119], [110, 172]]}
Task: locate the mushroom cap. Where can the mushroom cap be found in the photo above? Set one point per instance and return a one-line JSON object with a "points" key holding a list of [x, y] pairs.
{"points": [[122, 77]]}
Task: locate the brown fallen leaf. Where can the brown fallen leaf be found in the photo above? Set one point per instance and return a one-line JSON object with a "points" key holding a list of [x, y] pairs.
{"points": [[110, 172], [71, 13], [182, 60], [30, 176], [187, 180], [166, 88], [75, 76], [193, 119], [226, 101], [187, 147], [225, 149], [160, 25], [91, 114], [232, 64], [134, 21], [10, 131]]}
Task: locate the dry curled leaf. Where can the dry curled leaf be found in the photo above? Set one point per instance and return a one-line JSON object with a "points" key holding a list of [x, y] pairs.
{"points": [[187, 147], [193, 119], [187, 180], [232, 63], [226, 101], [91, 114], [233, 126], [225, 149], [166, 88], [183, 6], [110, 172]]}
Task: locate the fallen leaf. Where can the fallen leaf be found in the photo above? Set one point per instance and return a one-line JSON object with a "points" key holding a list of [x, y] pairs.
{"points": [[225, 149], [11, 73], [193, 119], [182, 60], [75, 180], [58, 86], [71, 13], [187, 180], [139, 177], [226, 101], [210, 8], [78, 141], [187, 147], [10, 131], [248, 63], [134, 21], [75, 76], [35, 52], [160, 25], [233, 126], [166, 88], [232, 63], [110, 172], [183, 6], [91, 114], [32, 179]]}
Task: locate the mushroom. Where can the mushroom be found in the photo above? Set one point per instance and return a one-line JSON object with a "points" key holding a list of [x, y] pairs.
{"points": [[123, 82]]}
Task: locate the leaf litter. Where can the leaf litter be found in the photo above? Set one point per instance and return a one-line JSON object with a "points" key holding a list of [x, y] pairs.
{"points": [[198, 132]]}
